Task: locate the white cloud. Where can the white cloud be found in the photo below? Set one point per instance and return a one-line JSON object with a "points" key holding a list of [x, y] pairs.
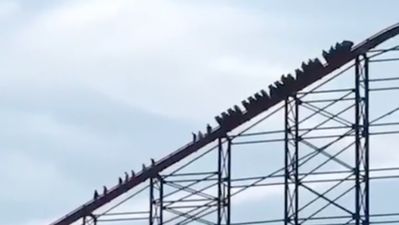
{"points": [[8, 7]]}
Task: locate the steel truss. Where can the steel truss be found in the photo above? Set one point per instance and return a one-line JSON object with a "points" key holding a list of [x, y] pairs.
{"points": [[294, 137], [326, 162]]}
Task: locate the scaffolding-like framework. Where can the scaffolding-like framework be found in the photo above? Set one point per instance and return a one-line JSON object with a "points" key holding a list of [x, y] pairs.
{"points": [[324, 136]]}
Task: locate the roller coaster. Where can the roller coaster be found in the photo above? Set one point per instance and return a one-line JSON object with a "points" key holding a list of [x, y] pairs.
{"points": [[324, 145]]}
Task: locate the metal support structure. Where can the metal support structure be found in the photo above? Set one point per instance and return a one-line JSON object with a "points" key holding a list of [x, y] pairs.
{"points": [[361, 127], [156, 201], [326, 174], [291, 164], [224, 183], [326, 170], [294, 179]]}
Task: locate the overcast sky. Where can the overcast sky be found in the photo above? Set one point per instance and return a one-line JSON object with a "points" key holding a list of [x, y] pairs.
{"points": [[90, 89]]}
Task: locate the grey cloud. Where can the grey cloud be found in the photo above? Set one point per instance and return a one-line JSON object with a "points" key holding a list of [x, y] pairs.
{"points": [[89, 90]]}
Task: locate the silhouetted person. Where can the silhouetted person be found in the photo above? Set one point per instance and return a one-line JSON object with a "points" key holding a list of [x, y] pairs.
{"points": [[325, 55], [237, 109], [245, 103], [231, 112], [200, 135], [258, 97], [329, 56], [264, 93], [225, 116], [126, 176], [251, 100], [194, 137], [208, 129], [144, 168], [272, 91], [120, 181], [338, 46], [301, 79], [347, 45], [219, 120], [305, 67], [152, 162], [317, 65], [279, 86], [95, 194], [133, 174], [105, 190]]}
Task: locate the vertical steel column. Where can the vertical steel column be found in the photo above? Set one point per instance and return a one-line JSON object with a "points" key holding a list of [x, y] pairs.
{"points": [[94, 219], [296, 164], [220, 182], [287, 194], [291, 159], [224, 183], [357, 141], [160, 221], [228, 180], [152, 202], [361, 127], [366, 141], [156, 205]]}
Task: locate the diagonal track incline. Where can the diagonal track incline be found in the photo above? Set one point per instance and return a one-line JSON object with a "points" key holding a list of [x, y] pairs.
{"points": [[229, 121]]}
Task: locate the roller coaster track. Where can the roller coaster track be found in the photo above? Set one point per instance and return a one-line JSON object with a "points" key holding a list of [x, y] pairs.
{"points": [[220, 132]]}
